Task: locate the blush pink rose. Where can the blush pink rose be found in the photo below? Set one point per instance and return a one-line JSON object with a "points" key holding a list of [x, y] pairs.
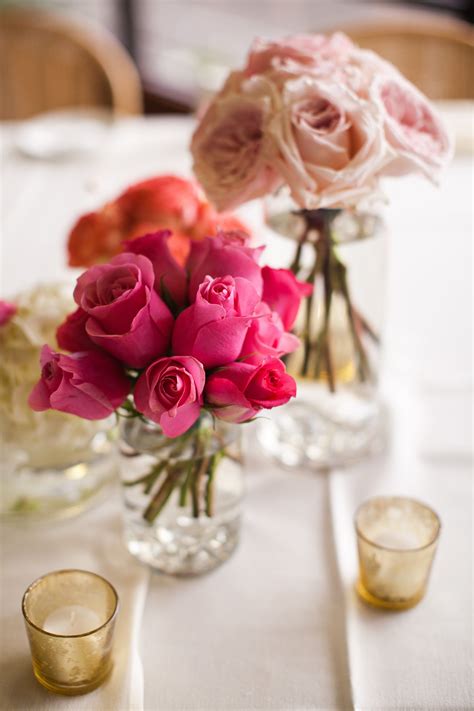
{"points": [[331, 145], [283, 292], [305, 51], [413, 129], [213, 329], [72, 335], [89, 384], [266, 337], [169, 392], [233, 150], [240, 391], [170, 276], [225, 254], [7, 311], [127, 318]]}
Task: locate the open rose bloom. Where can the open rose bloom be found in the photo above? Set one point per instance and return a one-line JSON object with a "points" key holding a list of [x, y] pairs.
{"points": [[320, 115], [163, 202]]}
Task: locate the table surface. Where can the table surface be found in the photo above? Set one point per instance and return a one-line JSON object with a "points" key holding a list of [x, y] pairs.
{"points": [[279, 626]]}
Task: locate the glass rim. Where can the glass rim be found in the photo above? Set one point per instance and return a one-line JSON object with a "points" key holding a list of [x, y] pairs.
{"points": [[277, 220], [63, 571], [393, 549]]}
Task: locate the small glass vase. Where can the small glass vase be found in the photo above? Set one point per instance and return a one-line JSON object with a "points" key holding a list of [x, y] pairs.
{"points": [[56, 467], [337, 417], [181, 496]]}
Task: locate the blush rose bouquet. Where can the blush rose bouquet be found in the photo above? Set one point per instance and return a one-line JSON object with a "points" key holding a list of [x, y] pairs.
{"points": [[321, 115], [175, 346], [162, 202], [323, 120]]}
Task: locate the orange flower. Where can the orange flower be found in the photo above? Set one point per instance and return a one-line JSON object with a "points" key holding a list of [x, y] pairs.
{"points": [[163, 202]]}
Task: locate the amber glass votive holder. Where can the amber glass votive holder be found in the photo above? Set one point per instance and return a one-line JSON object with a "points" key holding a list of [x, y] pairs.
{"points": [[396, 540], [70, 617]]}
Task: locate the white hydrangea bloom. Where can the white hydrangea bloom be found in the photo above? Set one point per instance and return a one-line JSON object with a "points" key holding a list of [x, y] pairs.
{"points": [[37, 439]]}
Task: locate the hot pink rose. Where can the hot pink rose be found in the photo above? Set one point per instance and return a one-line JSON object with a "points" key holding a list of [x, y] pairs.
{"points": [[307, 51], [169, 392], [239, 391], [266, 337], [412, 128], [233, 150], [331, 145], [222, 255], [169, 275], [283, 293], [72, 335], [213, 329], [7, 311], [89, 384], [127, 317]]}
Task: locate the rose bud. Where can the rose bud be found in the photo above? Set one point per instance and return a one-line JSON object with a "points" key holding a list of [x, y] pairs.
{"points": [[127, 317], [266, 337], [170, 276], [239, 391], [90, 384], [213, 329], [222, 255], [169, 392], [283, 293]]}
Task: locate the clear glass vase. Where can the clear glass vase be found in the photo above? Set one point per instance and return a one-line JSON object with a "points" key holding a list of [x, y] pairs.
{"points": [[181, 496], [55, 466], [337, 417]]}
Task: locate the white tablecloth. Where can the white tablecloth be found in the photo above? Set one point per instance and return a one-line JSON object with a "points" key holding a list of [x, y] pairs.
{"points": [[278, 626]]}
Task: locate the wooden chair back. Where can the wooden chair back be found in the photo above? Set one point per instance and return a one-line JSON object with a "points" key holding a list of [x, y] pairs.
{"points": [[50, 62], [436, 54]]}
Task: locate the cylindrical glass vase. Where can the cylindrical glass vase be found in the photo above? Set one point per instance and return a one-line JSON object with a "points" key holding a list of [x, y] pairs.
{"points": [[181, 496], [337, 417]]}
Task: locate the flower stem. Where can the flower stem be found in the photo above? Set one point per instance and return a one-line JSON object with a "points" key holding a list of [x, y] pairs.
{"points": [[296, 263], [196, 487], [183, 493], [160, 499], [328, 265], [209, 495], [148, 479]]}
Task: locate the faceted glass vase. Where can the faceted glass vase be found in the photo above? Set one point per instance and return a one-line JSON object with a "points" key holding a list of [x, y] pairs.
{"points": [[337, 417], [182, 496]]}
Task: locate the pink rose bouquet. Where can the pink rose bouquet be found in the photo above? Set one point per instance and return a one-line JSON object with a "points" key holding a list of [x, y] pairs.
{"points": [[156, 340], [323, 120], [320, 115]]}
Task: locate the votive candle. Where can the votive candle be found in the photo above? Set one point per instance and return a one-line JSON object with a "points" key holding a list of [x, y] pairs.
{"points": [[396, 540], [69, 617]]}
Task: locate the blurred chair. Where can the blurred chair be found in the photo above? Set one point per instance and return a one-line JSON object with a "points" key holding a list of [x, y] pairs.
{"points": [[50, 62], [435, 53]]}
